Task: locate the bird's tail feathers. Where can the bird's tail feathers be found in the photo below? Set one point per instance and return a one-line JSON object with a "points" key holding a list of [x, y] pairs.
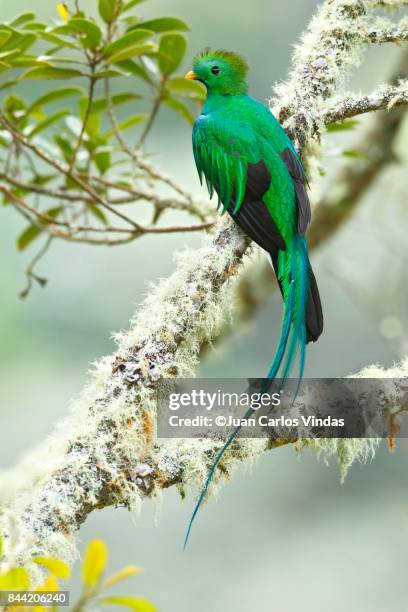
{"points": [[300, 280], [294, 277]]}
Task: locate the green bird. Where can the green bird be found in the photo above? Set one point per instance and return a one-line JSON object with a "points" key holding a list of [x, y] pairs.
{"points": [[246, 157]]}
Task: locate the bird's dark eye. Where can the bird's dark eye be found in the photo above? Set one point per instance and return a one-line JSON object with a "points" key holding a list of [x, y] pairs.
{"points": [[215, 70]]}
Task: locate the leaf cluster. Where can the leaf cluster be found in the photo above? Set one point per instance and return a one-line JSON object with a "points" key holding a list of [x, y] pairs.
{"points": [[104, 74], [94, 583]]}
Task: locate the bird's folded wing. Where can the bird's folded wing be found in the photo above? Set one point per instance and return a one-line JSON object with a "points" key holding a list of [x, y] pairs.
{"points": [[231, 159], [222, 156]]}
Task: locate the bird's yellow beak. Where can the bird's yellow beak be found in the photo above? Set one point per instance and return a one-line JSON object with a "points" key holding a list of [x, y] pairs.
{"points": [[191, 75]]}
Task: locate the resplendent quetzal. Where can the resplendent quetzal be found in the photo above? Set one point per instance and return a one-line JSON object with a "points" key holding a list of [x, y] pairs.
{"points": [[248, 159]]}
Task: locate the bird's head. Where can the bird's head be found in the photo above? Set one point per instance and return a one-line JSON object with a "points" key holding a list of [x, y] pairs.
{"points": [[221, 72]]}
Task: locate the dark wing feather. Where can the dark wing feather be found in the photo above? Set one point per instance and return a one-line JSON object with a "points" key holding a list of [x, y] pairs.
{"points": [[296, 171], [253, 216]]}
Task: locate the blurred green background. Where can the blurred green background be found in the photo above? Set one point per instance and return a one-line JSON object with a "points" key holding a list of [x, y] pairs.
{"points": [[284, 535]]}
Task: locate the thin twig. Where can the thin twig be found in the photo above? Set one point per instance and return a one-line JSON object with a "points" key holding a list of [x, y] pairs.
{"points": [[87, 114], [153, 115], [31, 275], [115, 125], [135, 156], [46, 222], [200, 210], [62, 169]]}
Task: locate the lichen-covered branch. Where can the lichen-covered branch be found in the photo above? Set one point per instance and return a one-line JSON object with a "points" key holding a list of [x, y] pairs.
{"points": [[385, 98], [105, 453], [113, 460], [389, 33]]}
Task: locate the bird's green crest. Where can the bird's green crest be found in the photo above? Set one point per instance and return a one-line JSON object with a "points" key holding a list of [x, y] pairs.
{"points": [[221, 71], [233, 59]]}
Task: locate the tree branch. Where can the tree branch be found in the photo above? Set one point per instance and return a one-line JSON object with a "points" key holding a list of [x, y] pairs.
{"points": [[385, 98], [53, 226], [392, 33], [62, 169], [92, 83]]}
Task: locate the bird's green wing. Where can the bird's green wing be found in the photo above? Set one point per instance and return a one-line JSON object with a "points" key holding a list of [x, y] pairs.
{"points": [[223, 154]]}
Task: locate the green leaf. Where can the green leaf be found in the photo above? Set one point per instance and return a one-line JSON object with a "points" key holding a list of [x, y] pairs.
{"points": [[172, 49], [26, 42], [92, 129], [43, 179], [4, 36], [22, 19], [19, 41], [36, 26], [52, 73], [102, 159], [91, 34], [52, 59], [26, 238], [109, 9], [128, 40], [99, 105], [32, 231], [14, 104], [132, 121], [28, 61], [96, 556], [354, 154], [109, 74], [125, 125], [4, 67], [56, 567], [135, 69], [8, 55], [180, 108], [132, 603], [123, 98], [58, 40], [342, 126], [97, 212], [53, 96], [8, 84], [43, 125], [65, 146], [164, 24], [128, 5], [189, 89], [133, 51]]}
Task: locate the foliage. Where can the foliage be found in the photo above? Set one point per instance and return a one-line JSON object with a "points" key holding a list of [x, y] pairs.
{"points": [[95, 585], [65, 164]]}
